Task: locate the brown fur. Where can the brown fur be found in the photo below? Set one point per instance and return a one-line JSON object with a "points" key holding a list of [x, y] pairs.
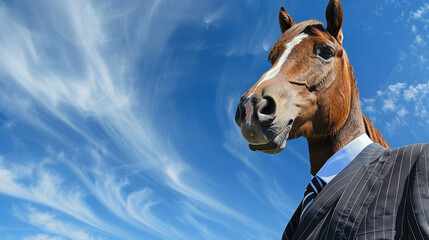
{"points": [[319, 95], [373, 133], [318, 31]]}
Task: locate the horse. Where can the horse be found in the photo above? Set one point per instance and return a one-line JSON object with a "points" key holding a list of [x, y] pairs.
{"points": [[310, 91]]}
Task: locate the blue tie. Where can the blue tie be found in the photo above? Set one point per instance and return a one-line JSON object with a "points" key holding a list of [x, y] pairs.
{"points": [[313, 188]]}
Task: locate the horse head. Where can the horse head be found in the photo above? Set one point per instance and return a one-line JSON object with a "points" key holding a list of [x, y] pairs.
{"points": [[310, 89]]}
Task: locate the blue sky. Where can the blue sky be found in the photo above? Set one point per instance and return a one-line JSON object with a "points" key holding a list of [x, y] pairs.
{"points": [[117, 118]]}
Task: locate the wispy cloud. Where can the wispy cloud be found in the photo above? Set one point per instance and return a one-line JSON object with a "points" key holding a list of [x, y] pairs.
{"points": [[43, 237], [134, 207], [421, 12], [71, 77], [50, 223], [37, 184], [391, 101], [85, 83], [403, 99], [419, 40]]}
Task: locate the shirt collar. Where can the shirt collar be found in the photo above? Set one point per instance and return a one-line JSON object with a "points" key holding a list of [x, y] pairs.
{"points": [[343, 157]]}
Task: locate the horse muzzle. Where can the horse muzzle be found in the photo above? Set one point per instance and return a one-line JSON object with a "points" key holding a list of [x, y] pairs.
{"points": [[260, 127]]}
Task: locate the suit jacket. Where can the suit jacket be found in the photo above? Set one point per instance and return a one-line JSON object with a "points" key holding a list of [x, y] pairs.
{"points": [[381, 194]]}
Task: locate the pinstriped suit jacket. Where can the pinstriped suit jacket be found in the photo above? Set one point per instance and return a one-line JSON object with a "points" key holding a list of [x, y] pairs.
{"points": [[381, 194]]}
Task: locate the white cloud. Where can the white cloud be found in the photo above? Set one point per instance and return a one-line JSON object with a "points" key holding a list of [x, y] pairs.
{"points": [[389, 105], [420, 111], [398, 101], [419, 40], [416, 58], [178, 182], [211, 18], [396, 88], [48, 189], [402, 112], [134, 207], [43, 237], [367, 105], [419, 13], [414, 93], [63, 91], [368, 100], [422, 59], [48, 222], [369, 109], [203, 229]]}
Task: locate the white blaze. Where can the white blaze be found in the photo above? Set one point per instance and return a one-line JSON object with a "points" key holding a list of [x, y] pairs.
{"points": [[276, 69]]}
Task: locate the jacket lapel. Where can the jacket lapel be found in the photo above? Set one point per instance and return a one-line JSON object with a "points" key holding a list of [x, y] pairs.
{"points": [[354, 203], [330, 194]]}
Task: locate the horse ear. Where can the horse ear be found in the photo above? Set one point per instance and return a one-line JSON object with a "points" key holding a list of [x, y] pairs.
{"points": [[285, 20], [334, 17]]}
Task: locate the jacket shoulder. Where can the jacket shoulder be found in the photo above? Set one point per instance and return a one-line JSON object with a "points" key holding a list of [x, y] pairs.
{"points": [[411, 152]]}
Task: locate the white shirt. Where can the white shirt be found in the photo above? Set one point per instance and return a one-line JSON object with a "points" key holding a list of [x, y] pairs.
{"points": [[343, 157]]}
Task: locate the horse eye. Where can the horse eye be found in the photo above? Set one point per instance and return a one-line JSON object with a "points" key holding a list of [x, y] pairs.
{"points": [[325, 52]]}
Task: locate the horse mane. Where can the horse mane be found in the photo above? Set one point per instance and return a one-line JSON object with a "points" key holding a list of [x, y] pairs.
{"points": [[373, 133], [370, 129]]}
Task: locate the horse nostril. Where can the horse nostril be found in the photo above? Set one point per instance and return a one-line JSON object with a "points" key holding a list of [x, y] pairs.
{"points": [[269, 107]]}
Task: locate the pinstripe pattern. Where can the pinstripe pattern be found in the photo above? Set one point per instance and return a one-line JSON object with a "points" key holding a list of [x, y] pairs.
{"points": [[313, 188], [381, 194]]}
